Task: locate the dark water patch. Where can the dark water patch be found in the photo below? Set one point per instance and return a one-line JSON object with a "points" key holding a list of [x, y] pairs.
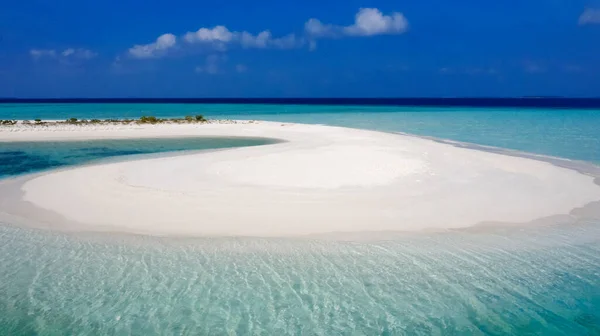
{"points": [[8, 154], [28, 157], [20, 163]]}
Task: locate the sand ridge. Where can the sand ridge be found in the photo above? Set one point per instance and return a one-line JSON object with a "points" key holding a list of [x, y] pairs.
{"points": [[321, 179]]}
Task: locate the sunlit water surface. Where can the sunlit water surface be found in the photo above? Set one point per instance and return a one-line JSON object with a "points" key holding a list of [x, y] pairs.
{"points": [[537, 280]]}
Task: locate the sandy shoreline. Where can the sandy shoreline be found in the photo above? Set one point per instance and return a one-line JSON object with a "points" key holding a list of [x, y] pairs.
{"points": [[320, 180]]}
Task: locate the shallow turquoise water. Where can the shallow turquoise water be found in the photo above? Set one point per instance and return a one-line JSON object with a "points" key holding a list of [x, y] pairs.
{"points": [[27, 157], [568, 133], [511, 281], [537, 281]]}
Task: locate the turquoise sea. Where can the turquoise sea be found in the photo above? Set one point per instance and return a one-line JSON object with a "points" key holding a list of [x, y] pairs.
{"points": [[539, 280], [568, 133]]}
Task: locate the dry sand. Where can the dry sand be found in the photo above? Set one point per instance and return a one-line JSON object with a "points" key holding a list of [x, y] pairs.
{"points": [[320, 180]]}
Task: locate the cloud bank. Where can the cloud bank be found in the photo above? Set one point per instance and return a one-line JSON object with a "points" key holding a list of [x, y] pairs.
{"points": [[222, 36], [155, 49], [217, 38], [367, 22]]}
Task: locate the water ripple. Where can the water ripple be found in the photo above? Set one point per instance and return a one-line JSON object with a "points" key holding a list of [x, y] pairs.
{"points": [[542, 280]]}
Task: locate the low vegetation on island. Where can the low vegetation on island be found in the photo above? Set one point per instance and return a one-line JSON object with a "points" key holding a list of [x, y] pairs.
{"points": [[195, 119]]}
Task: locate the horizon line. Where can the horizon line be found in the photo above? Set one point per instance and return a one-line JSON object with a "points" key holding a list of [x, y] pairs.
{"points": [[491, 102], [295, 98]]}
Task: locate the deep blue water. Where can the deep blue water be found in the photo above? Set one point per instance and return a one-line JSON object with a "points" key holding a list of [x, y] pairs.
{"points": [[539, 280], [548, 102]]}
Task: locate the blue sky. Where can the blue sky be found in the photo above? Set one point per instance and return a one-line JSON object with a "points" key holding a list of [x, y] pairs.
{"points": [[126, 48]]}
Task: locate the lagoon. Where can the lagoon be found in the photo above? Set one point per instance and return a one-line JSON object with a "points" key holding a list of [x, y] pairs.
{"points": [[538, 280]]}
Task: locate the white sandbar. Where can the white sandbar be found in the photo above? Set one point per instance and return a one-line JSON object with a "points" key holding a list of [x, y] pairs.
{"points": [[321, 180]]}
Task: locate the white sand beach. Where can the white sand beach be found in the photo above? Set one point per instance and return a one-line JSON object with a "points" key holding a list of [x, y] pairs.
{"points": [[320, 180]]}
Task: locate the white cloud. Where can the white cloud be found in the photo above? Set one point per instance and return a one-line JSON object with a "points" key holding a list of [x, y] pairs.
{"points": [[289, 41], [155, 49], [316, 28], [590, 16], [370, 21], [367, 22], [219, 37], [67, 54], [216, 34], [261, 40]]}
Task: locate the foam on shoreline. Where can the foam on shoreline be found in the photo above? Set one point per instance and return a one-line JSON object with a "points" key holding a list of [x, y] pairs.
{"points": [[320, 180]]}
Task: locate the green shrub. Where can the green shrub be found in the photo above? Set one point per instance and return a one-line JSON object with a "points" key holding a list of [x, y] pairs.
{"points": [[200, 118], [72, 120], [95, 121], [38, 120], [148, 119], [189, 118]]}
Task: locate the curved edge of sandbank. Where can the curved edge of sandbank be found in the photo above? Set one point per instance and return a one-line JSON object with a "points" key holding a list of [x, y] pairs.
{"points": [[588, 211], [582, 167], [142, 156]]}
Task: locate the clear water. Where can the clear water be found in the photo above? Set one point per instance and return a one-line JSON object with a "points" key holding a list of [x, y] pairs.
{"points": [[511, 281], [540, 281], [28, 157], [567, 133]]}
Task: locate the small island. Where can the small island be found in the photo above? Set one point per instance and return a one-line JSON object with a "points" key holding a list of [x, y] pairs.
{"points": [[75, 121]]}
